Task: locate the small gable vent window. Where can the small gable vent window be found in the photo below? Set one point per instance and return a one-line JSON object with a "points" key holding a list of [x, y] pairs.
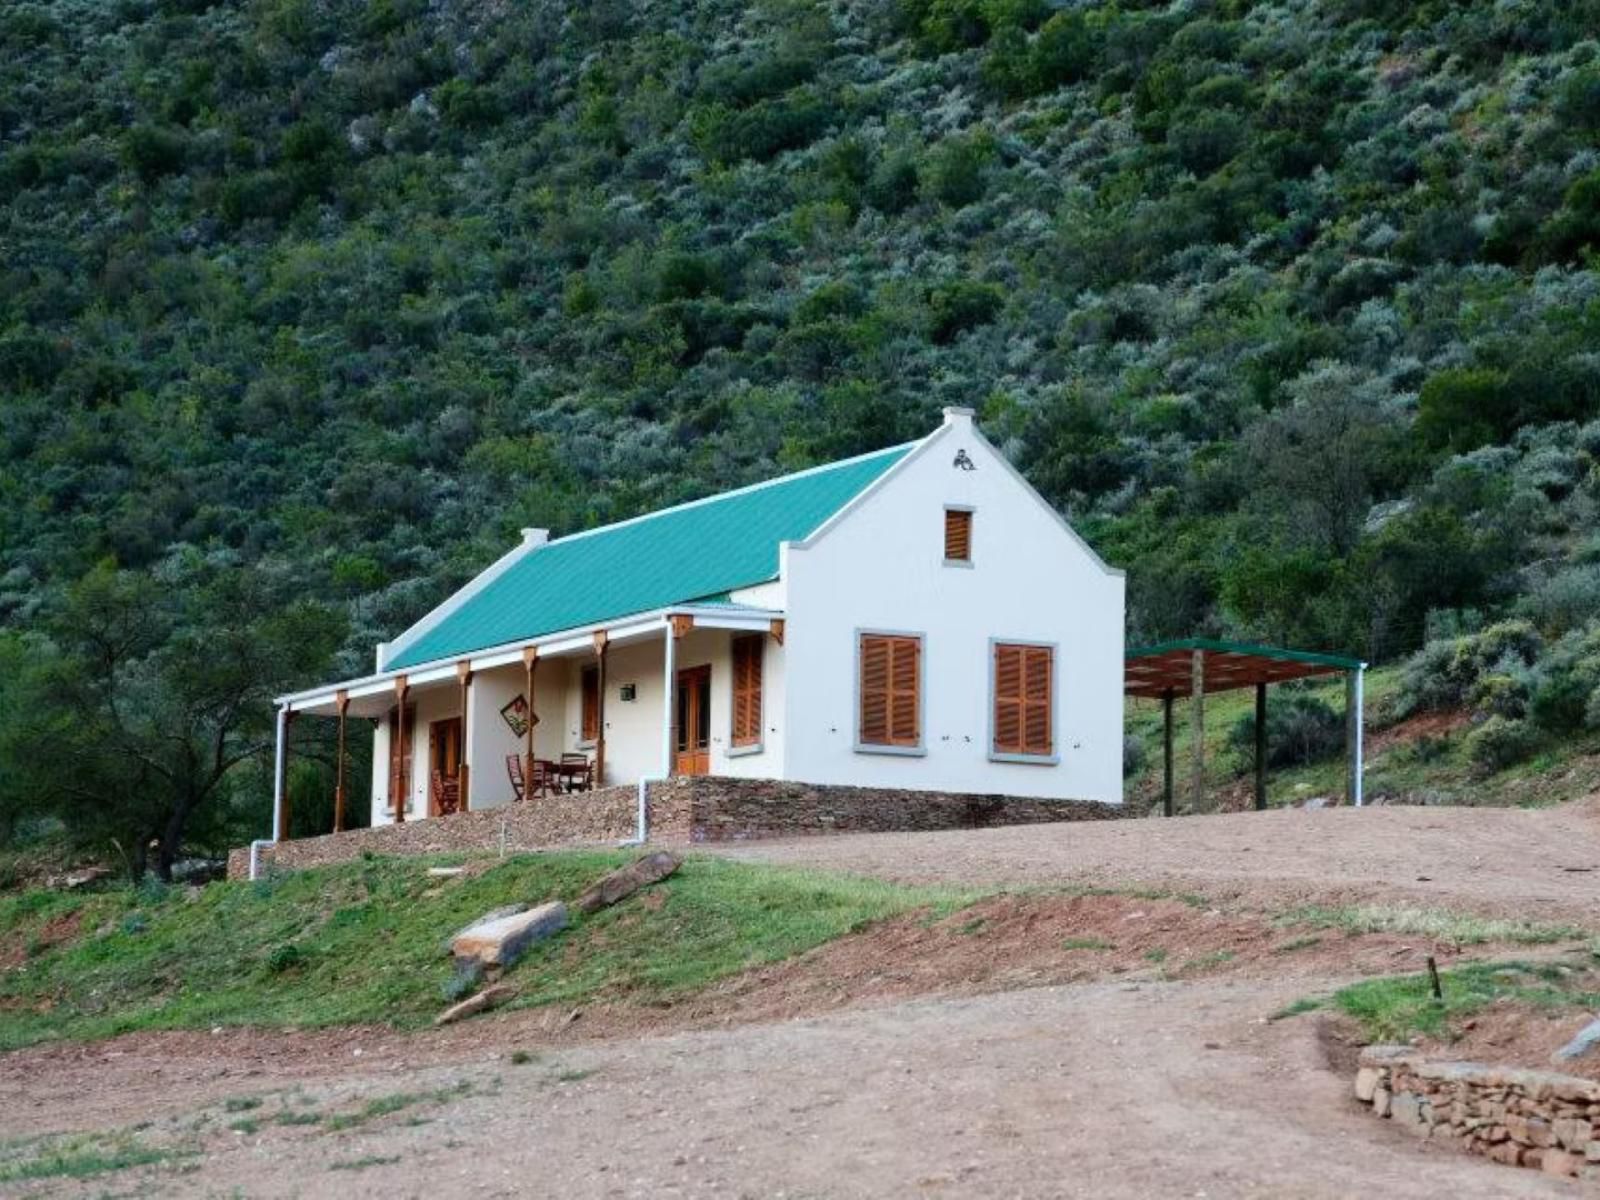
{"points": [[958, 535]]}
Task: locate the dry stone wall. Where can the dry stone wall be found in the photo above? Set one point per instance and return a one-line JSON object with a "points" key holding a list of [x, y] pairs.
{"points": [[704, 808], [1521, 1118]]}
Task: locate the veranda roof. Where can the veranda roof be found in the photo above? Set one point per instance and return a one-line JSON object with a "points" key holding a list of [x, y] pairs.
{"points": [[694, 552], [1167, 668]]}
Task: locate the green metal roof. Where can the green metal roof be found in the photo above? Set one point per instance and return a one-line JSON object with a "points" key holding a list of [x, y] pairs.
{"points": [[1249, 649], [675, 556]]}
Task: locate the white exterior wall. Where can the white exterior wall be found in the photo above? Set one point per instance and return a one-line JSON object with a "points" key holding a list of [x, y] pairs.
{"points": [[492, 739], [423, 705], [881, 567]]}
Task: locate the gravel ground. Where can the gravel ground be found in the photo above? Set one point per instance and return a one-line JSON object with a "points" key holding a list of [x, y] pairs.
{"points": [[1539, 864], [1104, 1090]]}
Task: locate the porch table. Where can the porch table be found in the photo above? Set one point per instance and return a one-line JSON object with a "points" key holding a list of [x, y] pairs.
{"points": [[565, 772]]}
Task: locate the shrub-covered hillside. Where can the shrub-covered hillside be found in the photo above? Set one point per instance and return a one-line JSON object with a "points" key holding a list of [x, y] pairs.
{"points": [[1290, 306]]}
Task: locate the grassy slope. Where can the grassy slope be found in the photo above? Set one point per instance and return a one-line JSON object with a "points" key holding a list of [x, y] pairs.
{"points": [[363, 942], [1399, 768]]}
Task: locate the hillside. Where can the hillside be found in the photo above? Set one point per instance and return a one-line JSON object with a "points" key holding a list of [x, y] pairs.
{"points": [[307, 307]]}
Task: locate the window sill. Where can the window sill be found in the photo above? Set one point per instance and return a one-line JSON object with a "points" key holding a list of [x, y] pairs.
{"points": [[746, 751], [1037, 760], [959, 562], [900, 751]]}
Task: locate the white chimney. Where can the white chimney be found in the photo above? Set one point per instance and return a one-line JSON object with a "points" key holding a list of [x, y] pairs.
{"points": [[958, 416], [535, 537]]}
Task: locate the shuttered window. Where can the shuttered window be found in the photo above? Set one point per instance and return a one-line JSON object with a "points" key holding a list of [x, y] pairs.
{"points": [[747, 653], [957, 535], [590, 724], [1023, 694], [891, 691]]}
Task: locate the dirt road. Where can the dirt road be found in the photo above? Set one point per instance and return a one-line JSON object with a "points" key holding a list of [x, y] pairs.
{"points": [[1531, 864], [1106, 1090]]}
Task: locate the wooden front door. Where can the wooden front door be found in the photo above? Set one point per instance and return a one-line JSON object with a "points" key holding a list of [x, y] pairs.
{"points": [[444, 755], [693, 722]]}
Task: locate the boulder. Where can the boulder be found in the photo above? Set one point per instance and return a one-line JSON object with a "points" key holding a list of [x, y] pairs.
{"points": [[496, 942], [621, 884], [1582, 1045], [495, 993]]}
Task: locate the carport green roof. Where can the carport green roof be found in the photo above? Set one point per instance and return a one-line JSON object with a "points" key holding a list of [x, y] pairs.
{"points": [[695, 551]]}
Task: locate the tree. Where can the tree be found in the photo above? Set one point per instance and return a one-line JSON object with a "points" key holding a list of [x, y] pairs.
{"points": [[159, 688]]}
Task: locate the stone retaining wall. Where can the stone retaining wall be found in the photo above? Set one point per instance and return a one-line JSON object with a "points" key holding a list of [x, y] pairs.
{"points": [[704, 808], [1521, 1118]]}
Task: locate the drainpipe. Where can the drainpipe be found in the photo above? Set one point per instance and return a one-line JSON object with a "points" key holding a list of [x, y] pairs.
{"points": [[1361, 725], [669, 661], [277, 793]]}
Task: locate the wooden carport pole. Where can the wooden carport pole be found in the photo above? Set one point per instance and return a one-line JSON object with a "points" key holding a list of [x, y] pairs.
{"points": [[1166, 754], [1261, 747]]}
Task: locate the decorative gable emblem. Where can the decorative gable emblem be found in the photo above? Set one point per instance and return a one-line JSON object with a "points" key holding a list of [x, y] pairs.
{"points": [[963, 463]]}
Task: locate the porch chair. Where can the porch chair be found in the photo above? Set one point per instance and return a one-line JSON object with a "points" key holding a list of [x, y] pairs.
{"points": [[446, 795], [578, 769], [514, 770]]}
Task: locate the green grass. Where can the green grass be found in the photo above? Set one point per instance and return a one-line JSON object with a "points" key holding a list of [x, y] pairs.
{"points": [[1304, 1005], [1087, 943], [1438, 925], [1397, 1008], [361, 1164], [77, 1156], [1157, 955], [384, 1106], [367, 937]]}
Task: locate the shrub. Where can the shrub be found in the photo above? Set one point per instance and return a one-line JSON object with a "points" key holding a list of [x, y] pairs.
{"points": [[963, 305], [153, 151], [1566, 684], [1452, 674], [893, 185], [1463, 409], [1498, 743], [1301, 729], [285, 958], [1578, 100], [955, 174], [1134, 756]]}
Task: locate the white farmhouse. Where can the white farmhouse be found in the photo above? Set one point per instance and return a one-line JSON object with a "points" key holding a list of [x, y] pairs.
{"points": [[915, 619]]}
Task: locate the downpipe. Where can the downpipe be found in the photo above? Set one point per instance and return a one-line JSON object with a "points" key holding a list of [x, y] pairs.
{"points": [[277, 795]]}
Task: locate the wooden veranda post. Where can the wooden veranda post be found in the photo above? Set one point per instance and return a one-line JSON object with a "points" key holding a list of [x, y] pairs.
{"points": [[397, 789], [342, 701], [463, 771], [282, 832], [1261, 747], [530, 662], [1197, 730], [601, 645], [1166, 754]]}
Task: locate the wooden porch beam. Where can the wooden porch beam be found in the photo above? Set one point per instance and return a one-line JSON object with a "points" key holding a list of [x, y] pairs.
{"points": [[776, 629], [397, 789], [682, 623], [530, 662], [342, 700], [602, 644], [463, 768]]}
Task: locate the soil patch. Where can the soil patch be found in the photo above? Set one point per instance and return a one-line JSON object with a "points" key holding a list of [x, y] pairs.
{"points": [[1510, 1033], [19, 947]]}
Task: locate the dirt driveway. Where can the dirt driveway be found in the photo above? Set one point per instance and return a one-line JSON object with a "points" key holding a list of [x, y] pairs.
{"points": [[1106, 1089], [1531, 864]]}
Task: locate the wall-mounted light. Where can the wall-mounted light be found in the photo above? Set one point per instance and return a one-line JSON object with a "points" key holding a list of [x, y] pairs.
{"points": [[628, 693]]}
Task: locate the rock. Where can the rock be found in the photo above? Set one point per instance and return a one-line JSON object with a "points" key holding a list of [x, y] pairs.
{"points": [[1406, 1109], [1581, 1045], [495, 993], [1573, 1133], [1380, 1101], [621, 884], [1559, 1162], [494, 914], [1591, 1152], [445, 872], [498, 942], [1505, 1152], [1367, 1080]]}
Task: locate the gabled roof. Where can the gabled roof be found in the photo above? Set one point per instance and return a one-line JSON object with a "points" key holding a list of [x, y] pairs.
{"points": [[693, 552]]}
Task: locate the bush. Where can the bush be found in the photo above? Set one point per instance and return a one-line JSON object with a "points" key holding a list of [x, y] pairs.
{"points": [[1498, 743], [962, 306], [1301, 729], [955, 174], [1566, 684], [153, 152], [1461, 410], [1134, 756], [285, 958], [1472, 670]]}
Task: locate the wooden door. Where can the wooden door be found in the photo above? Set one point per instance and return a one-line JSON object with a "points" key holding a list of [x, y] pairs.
{"points": [[693, 722], [444, 755], [400, 726]]}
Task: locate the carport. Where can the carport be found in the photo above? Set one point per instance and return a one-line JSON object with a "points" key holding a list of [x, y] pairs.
{"points": [[1196, 667]]}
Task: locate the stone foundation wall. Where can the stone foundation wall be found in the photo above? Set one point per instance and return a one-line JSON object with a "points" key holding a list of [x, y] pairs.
{"points": [[704, 808], [1521, 1118]]}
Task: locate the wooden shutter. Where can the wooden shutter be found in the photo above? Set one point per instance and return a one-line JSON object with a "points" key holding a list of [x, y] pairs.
{"points": [[1023, 693], [957, 535], [747, 653], [591, 704], [891, 690]]}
